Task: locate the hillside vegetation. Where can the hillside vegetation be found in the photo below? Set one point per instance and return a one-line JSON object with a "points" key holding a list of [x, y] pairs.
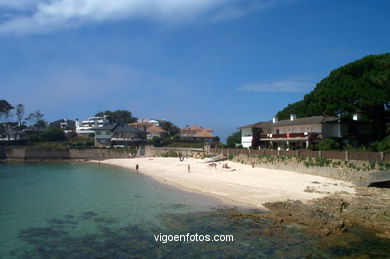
{"points": [[362, 87]]}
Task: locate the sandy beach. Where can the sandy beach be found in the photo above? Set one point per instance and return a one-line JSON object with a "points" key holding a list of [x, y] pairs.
{"points": [[240, 184]]}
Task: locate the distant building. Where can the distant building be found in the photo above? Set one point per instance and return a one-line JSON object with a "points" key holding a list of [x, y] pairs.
{"points": [[118, 134], [296, 132], [151, 127], [198, 134], [34, 130], [64, 124], [148, 121], [11, 134], [85, 127]]}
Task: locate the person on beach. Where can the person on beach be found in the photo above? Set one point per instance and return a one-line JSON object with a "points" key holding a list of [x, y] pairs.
{"points": [[189, 168], [137, 167]]}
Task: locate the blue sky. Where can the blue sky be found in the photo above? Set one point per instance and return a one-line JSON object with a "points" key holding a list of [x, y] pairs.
{"points": [[219, 64]]}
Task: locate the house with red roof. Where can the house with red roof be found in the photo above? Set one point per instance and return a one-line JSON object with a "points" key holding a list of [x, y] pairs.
{"points": [[197, 133], [152, 129], [298, 132]]}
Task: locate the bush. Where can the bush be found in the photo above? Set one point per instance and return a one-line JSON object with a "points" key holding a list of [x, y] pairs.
{"points": [[220, 145], [53, 134], [170, 154], [329, 144], [155, 141], [34, 138], [384, 145]]}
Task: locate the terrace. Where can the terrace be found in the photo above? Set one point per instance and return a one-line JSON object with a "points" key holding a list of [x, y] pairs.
{"points": [[289, 136]]}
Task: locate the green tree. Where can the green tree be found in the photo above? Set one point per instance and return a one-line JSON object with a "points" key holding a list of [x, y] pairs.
{"points": [[5, 116], [256, 137], [118, 116], [384, 145], [36, 119], [54, 134], [155, 141], [234, 139], [362, 86], [298, 108], [329, 144], [169, 127], [19, 115]]}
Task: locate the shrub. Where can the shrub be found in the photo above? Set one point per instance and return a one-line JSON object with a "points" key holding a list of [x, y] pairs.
{"points": [[53, 134], [329, 144], [384, 145], [34, 138], [169, 154]]}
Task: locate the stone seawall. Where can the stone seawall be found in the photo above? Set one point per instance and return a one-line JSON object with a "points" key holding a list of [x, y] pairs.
{"points": [[31, 153], [158, 151], [28, 153]]}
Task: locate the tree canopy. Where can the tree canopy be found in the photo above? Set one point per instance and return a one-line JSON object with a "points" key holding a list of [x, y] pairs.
{"points": [[169, 127], [118, 116], [5, 111], [362, 87], [234, 139]]}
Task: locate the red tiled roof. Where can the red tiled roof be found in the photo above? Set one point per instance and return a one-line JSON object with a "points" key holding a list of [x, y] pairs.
{"points": [[204, 134], [155, 129], [140, 125], [195, 128]]}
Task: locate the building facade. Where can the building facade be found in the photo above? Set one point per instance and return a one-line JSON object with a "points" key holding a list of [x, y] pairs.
{"points": [[151, 127], [87, 127], [197, 134], [295, 132], [118, 135]]}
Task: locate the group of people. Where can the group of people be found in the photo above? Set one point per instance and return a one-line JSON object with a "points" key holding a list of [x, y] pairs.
{"points": [[215, 165], [225, 166], [189, 167]]}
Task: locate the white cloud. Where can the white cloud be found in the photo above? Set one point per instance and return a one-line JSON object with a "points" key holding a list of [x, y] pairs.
{"points": [[241, 8], [291, 85], [31, 16]]}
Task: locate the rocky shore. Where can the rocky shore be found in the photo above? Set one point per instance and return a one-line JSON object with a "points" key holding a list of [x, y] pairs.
{"points": [[333, 217]]}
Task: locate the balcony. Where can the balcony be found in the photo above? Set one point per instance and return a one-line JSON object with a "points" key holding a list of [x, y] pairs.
{"points": [[303, 135], [127, 139]]}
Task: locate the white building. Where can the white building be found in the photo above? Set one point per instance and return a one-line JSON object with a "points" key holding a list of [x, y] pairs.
{"points": [[295, 132], [85, 127]]}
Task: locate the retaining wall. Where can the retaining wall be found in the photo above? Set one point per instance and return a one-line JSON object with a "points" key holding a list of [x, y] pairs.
{"points": [[48, 153], [341, 155], [156, 151]]}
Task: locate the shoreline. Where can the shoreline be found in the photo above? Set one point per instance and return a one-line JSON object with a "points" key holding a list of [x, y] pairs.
{"points": [[221, 202], [327, 207], [240, 185]]}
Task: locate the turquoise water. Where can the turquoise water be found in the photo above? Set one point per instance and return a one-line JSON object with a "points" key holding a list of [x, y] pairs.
{"points": [[79, 210]]}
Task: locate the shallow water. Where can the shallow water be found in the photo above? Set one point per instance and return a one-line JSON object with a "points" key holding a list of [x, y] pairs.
{"points": [[78, 210]]}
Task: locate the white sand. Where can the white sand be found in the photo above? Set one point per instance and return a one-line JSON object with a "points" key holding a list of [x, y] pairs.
{"points": [[245, 186]]}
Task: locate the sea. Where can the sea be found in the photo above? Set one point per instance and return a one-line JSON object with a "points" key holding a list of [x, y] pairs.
{"points": [[87, 210]]}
